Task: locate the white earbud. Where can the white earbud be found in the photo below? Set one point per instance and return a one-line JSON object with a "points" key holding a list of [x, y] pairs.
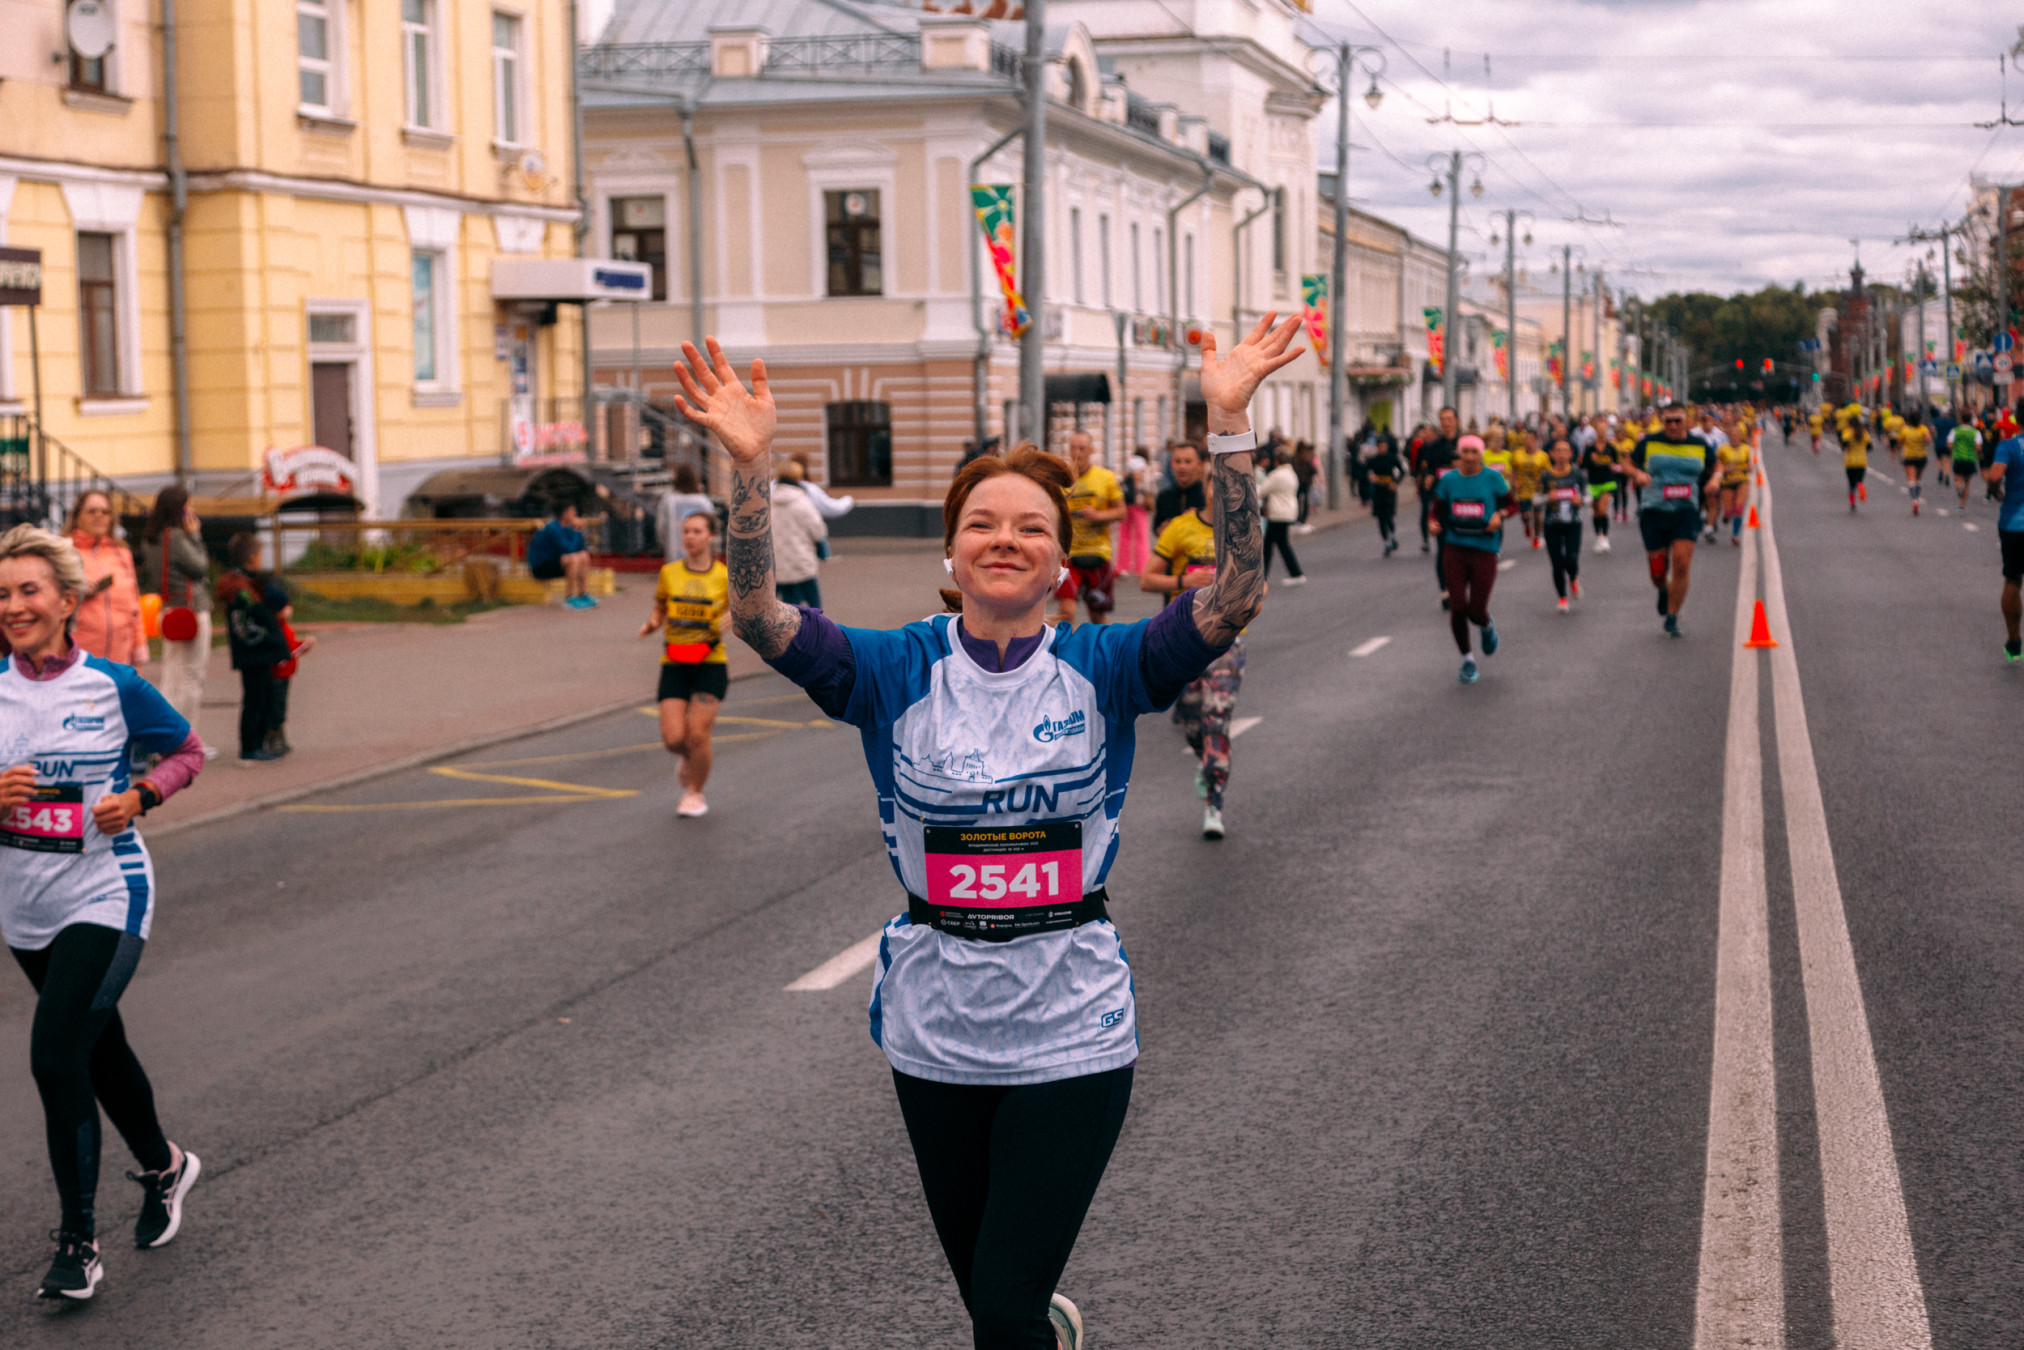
{"points": [[949, 566], [1062, 580]]}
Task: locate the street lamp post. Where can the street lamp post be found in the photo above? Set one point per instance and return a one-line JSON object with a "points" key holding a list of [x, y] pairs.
{"points": [[1511, 307], [1567, 252], [1345, 62], [1453, 161], [1033, 234]]}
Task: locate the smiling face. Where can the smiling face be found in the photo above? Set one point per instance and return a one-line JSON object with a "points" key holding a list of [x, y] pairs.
{"points": [[1469, 457], [1007, 549], [94, 514], [33, 608]]}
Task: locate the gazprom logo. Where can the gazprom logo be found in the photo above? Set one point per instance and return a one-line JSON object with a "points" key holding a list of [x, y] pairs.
{"points": [[1072, 725], [83, 722]]}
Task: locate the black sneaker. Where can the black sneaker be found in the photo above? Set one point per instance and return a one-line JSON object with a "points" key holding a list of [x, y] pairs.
{"points": [[162, 1201], [76, 1271], [1664, 598]]}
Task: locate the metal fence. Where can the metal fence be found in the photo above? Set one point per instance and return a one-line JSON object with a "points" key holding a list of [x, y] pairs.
{"points": [[41, 479], [654, 63]]}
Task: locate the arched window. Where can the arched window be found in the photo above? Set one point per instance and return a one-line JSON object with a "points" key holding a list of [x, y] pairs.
{"points": [[1078, 86]]}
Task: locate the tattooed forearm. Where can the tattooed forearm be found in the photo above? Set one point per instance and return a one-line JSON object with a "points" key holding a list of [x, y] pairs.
{"points": [[1232, 600], [757, 614]]}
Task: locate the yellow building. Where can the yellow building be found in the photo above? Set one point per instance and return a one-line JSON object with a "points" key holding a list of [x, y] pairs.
{"points": [[362, 178]]}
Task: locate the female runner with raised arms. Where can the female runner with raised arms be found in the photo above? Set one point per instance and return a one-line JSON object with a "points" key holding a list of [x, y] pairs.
{"points": [[1001, 750]]}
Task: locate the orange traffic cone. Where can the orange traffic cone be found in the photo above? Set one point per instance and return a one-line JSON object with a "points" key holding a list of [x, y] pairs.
{"points": [[1754, 523], [1760, 630], [1760, 478]]}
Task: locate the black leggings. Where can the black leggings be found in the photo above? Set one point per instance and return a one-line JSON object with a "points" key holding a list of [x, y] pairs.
{"points": [[1470, 573], [1384, 504], [256, 708], [1277, 535], [1563, 549], [78, 1051], [1009, 1173]]}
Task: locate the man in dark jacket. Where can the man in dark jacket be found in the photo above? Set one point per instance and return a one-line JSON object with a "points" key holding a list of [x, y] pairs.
{"points": [[257, 645], [1185, 462]]}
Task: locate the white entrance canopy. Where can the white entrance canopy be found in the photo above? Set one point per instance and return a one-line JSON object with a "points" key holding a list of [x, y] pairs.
{"points": [[570, 280]]}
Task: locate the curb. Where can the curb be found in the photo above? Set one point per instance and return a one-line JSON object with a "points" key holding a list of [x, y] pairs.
{"points": [[402, 765]]}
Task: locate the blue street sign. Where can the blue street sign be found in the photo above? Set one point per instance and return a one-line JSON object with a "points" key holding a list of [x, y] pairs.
{"points": [[2004, 342], [1929, 367], [1953, 372]]}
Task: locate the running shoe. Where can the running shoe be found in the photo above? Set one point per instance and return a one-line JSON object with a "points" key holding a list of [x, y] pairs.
{"points": [[1915, 506], [1562, 606], [1468, 673], [1212, 828], [1673, 626], [1490, 638], [260, 756], [1201, 783], [1602, 543], [692, 805], [1061, 1313], [162, 1201], [1663, 597], [1537, 542], [1574, 586], [1425, 547], [2013, 651], [76, 1271], [1300, 580]]}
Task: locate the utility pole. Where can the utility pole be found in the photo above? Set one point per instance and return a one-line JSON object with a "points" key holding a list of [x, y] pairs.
{"points": [[1033, 234], [1921, 286], [1947, 284], [1511, 314], [1338, 273], [1595, 387], [1450, 315]]}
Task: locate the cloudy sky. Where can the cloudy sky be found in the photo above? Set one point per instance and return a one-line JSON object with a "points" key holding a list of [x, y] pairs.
{"points": [[1733, 142]]}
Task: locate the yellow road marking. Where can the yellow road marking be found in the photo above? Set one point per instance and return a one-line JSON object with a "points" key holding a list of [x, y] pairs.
{"points": [[583, 788]]}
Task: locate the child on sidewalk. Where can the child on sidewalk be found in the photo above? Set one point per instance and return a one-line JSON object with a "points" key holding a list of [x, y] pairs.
{"points": [[284, 671]]}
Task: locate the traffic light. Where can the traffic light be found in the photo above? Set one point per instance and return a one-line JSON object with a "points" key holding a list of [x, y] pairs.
{"points": [[1739, 363], [1767, 365]]}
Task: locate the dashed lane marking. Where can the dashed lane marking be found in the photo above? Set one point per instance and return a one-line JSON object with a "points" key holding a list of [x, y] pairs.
{"points": [[1970, 526], [853, 959], [1507, 564], [1366, 648], [1243, 724]]}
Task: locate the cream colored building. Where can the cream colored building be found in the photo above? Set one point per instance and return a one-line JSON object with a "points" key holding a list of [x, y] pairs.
{"points": [[354, 169], [833, 231]]}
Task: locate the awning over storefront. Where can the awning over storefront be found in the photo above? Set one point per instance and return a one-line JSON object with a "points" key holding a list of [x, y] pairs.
{"points": [[1078, 388], [572, 281]]}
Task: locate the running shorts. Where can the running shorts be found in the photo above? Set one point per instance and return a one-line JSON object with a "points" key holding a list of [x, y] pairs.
{"points": [[712, 678], [1663, 527], [1855, 476], [1089, 579], [2013, 555], [548, 571]]}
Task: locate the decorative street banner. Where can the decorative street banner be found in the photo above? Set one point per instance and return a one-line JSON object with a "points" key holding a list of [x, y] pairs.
{"points": [[993, 203], [1588, 368], [1555, 364], [1314, 297], [1615, 373], [1503, 355], [1436, 339]]}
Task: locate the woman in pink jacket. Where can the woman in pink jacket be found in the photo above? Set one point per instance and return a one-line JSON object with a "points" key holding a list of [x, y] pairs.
{"points": [[108, 621]]}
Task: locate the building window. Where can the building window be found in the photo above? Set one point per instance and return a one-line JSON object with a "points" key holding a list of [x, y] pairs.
{"points": [[98, 313], [860, 444], [315, 58], [506, 113], [1103, 255], [1138, 297], [639, 233], [1279, 229], [418, 55], [92, 74], [428, 302], [1075, 250], [1159, 274], [851, 225]]}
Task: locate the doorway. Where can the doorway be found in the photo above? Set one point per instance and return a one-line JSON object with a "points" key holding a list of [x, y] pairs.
{"points": [[330, 416]]}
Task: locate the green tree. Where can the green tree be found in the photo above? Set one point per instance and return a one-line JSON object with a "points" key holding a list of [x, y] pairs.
{"points": [[1720, 330]]}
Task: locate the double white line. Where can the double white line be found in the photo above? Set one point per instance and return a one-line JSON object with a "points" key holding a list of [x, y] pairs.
{"points": [[1873, 1277]]}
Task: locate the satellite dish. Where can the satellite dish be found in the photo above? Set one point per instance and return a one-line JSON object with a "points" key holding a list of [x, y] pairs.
{"points": [[89, 26]]}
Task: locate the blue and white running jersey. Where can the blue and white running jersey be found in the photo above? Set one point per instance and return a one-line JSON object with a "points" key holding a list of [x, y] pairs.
{"points": [[80, 731], [950, 743]]}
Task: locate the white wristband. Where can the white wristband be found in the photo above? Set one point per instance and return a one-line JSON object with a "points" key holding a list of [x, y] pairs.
{"points": [[1233, 444]]}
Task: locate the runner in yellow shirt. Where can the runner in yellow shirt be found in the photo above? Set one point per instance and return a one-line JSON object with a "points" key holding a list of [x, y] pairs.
{"points": [[689, 606], [1814, 422], [1095, 502], [1855, 460], [1735, 459], [1915, 442], [1528, 466]]}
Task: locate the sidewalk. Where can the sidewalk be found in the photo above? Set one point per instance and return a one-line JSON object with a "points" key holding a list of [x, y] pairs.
{"points": [[374, 698]]}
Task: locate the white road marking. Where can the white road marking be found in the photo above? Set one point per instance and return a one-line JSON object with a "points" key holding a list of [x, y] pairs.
{"points": [[1741, 1296], [1943, 511], [1366, 648], [852, 960], [1971, 527], [1507, 564], [1243, 724], [1873, 1275]]}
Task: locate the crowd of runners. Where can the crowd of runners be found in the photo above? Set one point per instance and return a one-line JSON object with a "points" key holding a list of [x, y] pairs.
{"points": [[998, 736]]}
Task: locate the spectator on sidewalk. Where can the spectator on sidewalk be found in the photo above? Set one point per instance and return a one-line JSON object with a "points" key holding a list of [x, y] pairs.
{"points": [[1134, 536], [258, 645], [284, 671], [557, 552], [1280, 496], [1305, 469], [174, 565], [108, 619], [826, 506], [797, 528], [686, 500]]}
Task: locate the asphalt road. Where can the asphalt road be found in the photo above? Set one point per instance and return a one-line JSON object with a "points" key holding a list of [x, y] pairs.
{"points": [[1427, 1041]]}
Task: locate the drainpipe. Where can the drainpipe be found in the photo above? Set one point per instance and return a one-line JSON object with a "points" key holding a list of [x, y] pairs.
{"points": [[1174, 297], [695, 225], [980, 367], [1237, 257], [582, 228], [179, 202]]}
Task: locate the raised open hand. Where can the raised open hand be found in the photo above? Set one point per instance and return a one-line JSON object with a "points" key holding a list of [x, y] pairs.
{"points": [[1228, 382], [742, 420]]}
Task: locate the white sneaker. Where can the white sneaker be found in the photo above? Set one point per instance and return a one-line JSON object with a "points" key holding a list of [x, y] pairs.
{"points": [[1300, 580], [1602, 543], [692, 805], [1212, 828], [1067, 1323]]}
